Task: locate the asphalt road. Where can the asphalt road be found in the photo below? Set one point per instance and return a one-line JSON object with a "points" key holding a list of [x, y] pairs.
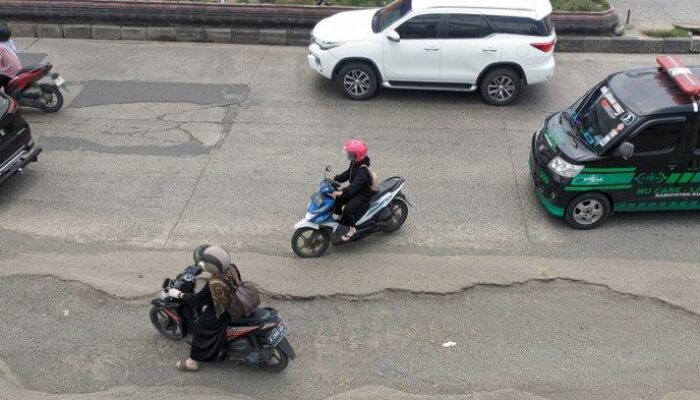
{"points": [[557, 340], [165, 146]]}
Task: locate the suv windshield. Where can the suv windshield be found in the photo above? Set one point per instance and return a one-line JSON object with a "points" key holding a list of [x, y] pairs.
{"points": [[386, 16], [597, 118]]}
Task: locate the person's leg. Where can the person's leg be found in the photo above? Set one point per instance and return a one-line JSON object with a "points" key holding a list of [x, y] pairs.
{"points": [[352, 213], [338, 206]]}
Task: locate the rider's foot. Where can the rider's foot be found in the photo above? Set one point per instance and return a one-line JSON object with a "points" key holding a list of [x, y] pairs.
{"points": [[187, 365], [349, 234]]}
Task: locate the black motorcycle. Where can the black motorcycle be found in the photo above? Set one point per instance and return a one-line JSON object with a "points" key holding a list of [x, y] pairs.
{"points": [[258, 340]]}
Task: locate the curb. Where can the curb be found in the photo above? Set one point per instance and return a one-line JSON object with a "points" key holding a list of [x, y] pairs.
{"points": [[301, 36]]}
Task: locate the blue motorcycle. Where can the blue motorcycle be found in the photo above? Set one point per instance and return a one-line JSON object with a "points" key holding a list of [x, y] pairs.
{"points": [[313, 235]]}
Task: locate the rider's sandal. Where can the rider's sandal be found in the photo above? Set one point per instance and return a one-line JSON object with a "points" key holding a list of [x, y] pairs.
{"points": [[346, 238], [182, 366]]}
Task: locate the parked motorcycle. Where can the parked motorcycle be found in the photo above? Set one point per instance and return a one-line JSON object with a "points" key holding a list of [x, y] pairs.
{"points": [[258, 340], [313, 234], [27, 91]]}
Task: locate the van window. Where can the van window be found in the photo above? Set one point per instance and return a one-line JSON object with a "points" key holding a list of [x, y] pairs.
{"points": [[521, 25], [420, 27], [467, 26], [657, 138]]}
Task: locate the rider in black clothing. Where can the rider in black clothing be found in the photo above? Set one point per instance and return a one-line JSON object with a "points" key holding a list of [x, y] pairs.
{"points": [[353, 201]]}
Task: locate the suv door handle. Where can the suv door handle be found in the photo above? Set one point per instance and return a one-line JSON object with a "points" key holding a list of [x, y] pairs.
{"points": [[672, 165], [489, 50], [431, 49]]}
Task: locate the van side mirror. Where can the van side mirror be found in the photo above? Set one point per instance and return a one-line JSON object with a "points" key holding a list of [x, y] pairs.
{"points": [[626, 150], [394, 36]]}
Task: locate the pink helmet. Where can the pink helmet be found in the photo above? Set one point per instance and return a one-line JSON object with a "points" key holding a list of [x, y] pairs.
{"points": [[357, 148]]}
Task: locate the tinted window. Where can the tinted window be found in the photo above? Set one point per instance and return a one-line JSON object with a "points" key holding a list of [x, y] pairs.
{"points": [[521, 26], [657, 138], [465, 26], [420, 27]]}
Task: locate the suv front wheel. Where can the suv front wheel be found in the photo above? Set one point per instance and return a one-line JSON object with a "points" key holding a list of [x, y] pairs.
{"points": [[357, 81], [501, 87]]}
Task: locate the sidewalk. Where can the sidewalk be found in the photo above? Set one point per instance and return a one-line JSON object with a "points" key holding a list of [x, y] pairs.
{"points": [[648, 14]]}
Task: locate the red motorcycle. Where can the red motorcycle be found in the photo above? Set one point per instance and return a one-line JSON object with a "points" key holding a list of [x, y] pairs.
{"points": [[27, 91]]}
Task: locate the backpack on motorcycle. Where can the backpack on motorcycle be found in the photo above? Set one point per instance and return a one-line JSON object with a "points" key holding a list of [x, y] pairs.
{"points": [[246, 298], [374, 185], [245, 301]]}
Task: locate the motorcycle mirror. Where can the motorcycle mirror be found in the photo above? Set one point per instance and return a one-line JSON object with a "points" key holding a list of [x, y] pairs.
{"points": [[166, 283]]}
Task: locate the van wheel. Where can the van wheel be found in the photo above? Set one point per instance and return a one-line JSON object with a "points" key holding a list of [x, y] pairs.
{"points": [[501, 87], [357, 81], [587, 211]]}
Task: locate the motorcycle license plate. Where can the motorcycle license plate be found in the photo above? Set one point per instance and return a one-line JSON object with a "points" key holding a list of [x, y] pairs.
{"points": [[277, 334], [59, 81]]}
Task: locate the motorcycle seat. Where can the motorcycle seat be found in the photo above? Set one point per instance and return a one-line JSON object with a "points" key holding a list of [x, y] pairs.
{"points": [[259, 315], [387, 186], [29, 68]]}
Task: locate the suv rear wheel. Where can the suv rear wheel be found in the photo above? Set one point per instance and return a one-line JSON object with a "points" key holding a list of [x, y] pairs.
{"points": [[357, 81], [501, 86]]}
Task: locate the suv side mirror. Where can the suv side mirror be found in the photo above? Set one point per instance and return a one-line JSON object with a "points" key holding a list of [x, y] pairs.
{"points": [[394, 36], [626, 150]]}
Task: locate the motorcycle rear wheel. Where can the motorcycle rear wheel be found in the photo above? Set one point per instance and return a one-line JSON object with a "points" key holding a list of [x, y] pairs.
{"points": [[274, 359], [165, 325], [309, 242], [399, 213], [56, 98]]}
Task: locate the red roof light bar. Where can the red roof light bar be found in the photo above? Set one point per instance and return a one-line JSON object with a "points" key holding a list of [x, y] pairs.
{"points": [[681, 75]]}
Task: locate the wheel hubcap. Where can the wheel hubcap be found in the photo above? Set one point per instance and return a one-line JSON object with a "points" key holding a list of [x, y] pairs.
{"points": [[356, 82], [501, 88], [588, 212], [310, 241]]}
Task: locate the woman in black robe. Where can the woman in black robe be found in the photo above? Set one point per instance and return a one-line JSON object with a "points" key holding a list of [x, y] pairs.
{"points": [[208, 338]]}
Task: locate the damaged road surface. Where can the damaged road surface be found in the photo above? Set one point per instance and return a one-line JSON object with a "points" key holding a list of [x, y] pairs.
{"points": [[165, 146], [555, 340]]}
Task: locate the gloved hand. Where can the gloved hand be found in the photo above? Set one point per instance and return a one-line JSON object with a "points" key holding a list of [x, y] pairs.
{"points": [[174, 293]]}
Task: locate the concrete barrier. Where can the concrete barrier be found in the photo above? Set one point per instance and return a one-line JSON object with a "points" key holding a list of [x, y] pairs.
{"points": [[301, 36]]}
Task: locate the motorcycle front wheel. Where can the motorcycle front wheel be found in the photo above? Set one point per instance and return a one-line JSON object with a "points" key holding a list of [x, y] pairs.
{"points": [[273, 359], [165, 325], [52, 96], [309, 242]]}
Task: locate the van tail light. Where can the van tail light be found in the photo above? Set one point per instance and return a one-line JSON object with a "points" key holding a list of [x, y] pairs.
{"points": [[545, 47]]}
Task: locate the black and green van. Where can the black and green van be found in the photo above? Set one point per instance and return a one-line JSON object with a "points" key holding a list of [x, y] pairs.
{"points": [[632, 143]]}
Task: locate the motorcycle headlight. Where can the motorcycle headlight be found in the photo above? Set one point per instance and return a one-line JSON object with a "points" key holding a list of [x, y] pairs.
{"points": [[563, 168]]}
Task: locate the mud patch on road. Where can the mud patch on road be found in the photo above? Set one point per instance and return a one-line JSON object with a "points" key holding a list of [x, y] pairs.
{"points": [[99, 92], [191, 148]]}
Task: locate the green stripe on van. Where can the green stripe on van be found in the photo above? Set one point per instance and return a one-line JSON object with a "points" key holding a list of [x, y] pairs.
{"points": [[686, 177], [609, 170], [590, 188], [673, 178]]}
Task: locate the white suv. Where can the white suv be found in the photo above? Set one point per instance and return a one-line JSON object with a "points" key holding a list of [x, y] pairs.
{"points": [[497, 46]]}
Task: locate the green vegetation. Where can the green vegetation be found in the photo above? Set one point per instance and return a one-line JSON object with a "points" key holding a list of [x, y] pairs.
{"points": [[664, 33], [580, 5]]}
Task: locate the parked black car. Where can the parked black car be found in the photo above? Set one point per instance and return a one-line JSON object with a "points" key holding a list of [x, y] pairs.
{"points": [[17, 148]]}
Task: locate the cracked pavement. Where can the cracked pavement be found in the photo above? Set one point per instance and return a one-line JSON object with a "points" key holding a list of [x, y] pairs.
{"points": [[132, 179]]}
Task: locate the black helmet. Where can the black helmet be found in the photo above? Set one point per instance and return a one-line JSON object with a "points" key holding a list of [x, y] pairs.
{"points": [[212, 259], [5, 33]]}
